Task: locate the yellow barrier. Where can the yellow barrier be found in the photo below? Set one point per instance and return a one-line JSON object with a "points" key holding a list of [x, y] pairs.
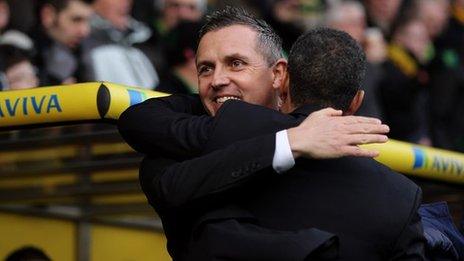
{"points": [[69, 103], [97, 101], [421, 161]]}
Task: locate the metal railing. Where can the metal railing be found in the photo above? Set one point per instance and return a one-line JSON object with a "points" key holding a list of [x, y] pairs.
{"points": [[76, 172]]}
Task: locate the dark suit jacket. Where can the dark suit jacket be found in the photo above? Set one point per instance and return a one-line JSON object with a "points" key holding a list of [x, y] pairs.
{"points": [[370, 208]]}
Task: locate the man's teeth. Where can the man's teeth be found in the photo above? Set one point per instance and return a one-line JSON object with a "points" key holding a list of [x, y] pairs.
{"points": [[224, 99]]}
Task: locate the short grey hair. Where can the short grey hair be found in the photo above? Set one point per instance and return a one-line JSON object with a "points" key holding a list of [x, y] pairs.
{"points": [[269, 44]]}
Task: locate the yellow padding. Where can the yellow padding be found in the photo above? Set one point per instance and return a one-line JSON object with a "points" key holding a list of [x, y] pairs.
{"points": [[67, 103], [49, 104], [421, 161], [122, 97]]}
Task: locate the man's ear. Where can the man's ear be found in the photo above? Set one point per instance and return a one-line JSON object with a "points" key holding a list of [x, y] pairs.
{"points": [[48, 15], [355, 103], [279, 72]]}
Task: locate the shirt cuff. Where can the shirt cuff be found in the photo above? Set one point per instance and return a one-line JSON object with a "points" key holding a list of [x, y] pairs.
{"points": [[283, 158]]}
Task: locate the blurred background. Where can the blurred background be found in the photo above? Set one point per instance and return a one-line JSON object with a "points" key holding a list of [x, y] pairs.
{"points": [[72, 192]]}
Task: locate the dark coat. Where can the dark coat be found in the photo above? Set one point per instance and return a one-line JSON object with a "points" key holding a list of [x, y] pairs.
{"points": [[371, 209]]}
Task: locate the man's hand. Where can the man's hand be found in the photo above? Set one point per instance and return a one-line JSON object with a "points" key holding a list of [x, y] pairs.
{"points": [[327, 134]]}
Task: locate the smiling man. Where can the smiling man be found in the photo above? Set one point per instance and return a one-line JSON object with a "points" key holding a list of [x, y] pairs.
{"points": [[201, 192], [229, 67]]}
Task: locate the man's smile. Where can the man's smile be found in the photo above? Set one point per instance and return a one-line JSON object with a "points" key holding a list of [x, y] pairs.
{"points": [[223, 99]]}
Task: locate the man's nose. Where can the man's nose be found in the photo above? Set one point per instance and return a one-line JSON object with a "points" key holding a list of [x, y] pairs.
{"points": [[220, 79]]}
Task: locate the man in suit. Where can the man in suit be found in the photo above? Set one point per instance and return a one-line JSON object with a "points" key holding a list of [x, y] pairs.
{"points": [[236, 187]]}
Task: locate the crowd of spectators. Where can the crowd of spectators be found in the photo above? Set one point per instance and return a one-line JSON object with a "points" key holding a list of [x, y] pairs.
{"points": [[415, 50]]}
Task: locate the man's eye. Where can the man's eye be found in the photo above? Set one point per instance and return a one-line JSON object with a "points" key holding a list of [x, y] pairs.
{"points": [[204, 70], [237, 63]]}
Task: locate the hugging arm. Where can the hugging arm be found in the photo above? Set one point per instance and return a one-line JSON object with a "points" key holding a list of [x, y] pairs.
{"points": [[175, 126], [180, 185], [225, 166]]}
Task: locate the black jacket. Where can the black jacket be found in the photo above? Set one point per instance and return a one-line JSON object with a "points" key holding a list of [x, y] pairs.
{"points": [[371, 209]]}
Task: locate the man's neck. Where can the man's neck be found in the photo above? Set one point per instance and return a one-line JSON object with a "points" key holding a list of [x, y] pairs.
{"points": [[287, 107]]}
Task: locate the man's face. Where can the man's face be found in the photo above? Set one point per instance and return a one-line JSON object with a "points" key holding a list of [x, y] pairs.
{"points": [[230, 67], [177, 10], [71, 25]]}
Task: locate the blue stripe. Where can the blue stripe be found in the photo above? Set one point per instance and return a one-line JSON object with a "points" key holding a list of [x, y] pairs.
{"points": [[419, 158], [135, 97]]}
